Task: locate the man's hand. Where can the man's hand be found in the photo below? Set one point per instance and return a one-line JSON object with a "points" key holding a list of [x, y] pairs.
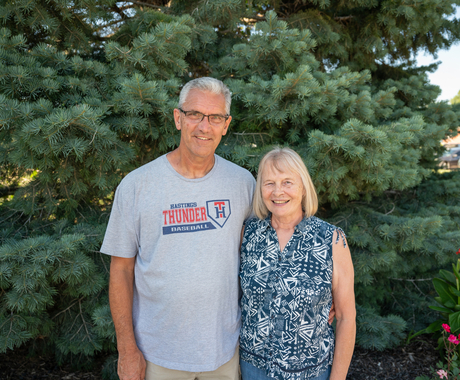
{"points": [[131, 365], [331, 314]]}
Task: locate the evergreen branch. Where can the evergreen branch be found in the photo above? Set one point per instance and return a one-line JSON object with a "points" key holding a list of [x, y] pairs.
{"points": [[420, 291], [11, 328], [37, 9], [14, 222], [344, 219], [68, 308], [76, 332], [158, 7], [84, 324], [93, 137], [70, 31], [8, 190], [103, 263], [253, 134], [395, 300], [372, 322], [344, 18], [389, 212], [413, 282], [411, 279], [297, 80]]}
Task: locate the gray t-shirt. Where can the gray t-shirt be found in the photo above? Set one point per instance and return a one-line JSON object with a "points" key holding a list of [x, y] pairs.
{"points": [[185, 234]]}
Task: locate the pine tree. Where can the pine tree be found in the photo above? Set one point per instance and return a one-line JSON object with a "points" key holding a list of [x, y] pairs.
{"points": [[86, 95], [455, 99]]}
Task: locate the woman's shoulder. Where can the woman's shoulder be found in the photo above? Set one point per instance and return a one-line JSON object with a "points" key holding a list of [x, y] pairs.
{"points": [[315, 222], [326, 228], [255, 223]]}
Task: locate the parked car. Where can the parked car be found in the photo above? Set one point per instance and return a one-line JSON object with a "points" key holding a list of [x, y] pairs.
{"points": [[450, 158]]}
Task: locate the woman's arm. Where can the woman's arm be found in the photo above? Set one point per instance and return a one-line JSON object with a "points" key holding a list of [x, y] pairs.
{"points": [[344, 301]]}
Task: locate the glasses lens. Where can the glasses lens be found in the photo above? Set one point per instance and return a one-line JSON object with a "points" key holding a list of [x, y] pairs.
{"points": [[216, 119], [194, 115]]}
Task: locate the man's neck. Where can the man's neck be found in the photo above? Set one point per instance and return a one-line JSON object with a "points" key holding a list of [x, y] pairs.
{"points": [[190, 168]]}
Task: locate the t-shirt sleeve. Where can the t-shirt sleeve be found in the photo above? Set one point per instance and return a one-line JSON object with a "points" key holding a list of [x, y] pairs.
{"points": [[250, 212], [121, 237]]}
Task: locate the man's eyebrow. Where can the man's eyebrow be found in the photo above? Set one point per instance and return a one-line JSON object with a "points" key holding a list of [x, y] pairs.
{"points": [[192, 110], [211, 114]]}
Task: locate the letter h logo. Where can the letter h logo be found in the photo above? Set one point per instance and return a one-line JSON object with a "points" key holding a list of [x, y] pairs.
{"points": [[219, 211]]}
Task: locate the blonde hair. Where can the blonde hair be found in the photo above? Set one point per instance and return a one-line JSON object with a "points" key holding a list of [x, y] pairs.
{"points": [[285, 160]]}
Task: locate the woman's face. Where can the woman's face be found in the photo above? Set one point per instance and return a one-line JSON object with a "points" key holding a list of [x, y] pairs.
{"points": [[282, 193]]}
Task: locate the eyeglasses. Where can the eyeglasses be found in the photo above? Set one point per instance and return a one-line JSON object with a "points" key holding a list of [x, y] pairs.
{"points": [[197, 117]]}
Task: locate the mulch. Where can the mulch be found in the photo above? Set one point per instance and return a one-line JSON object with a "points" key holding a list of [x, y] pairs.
{"points": [[402, 363]]}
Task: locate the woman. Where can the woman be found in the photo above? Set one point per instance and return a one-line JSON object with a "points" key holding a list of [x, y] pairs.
{"points": [[292, 266]]}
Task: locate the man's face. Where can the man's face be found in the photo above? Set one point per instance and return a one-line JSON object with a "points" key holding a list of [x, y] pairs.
{"points": [[199, 140]]}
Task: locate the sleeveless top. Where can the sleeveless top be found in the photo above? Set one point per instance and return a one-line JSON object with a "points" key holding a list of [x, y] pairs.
{"points": [[286, 299]]}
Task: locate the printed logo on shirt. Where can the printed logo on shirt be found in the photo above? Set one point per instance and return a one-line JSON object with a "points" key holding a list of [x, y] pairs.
{"points": [[219, 211], [189, 217]]}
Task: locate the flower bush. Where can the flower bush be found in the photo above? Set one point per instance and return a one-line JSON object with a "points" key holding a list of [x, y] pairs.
{"points": [[449, 370], [448, 289]]}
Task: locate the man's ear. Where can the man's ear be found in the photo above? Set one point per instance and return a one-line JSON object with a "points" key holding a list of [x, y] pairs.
{"points": [[177, 118], [227, 123]]}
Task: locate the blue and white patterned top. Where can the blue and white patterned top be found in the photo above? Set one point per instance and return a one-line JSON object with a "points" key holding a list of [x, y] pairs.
{"points": [[286, 299]]}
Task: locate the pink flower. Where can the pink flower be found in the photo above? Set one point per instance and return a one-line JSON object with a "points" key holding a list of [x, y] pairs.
{"points": [[446, 327], [453, 339], [442, 374]]}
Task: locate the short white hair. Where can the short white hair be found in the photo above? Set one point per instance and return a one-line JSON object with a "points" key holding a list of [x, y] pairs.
{"points": [[285, 160], [212, 85]]}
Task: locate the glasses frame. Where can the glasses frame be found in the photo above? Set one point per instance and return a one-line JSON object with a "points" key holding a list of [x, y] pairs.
{"points": [[209, 121]]}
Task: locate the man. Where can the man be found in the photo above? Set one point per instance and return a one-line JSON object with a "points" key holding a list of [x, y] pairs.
{"points": [[174, 236]]}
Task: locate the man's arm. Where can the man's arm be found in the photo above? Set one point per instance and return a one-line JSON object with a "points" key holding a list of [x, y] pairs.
{"points": [[131, 362]]}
